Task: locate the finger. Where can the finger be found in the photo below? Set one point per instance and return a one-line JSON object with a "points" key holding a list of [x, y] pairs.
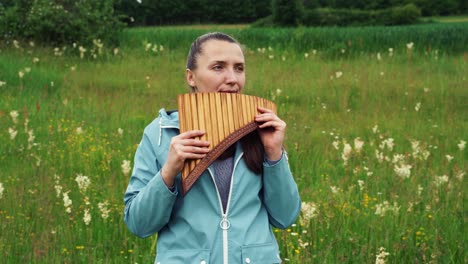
{"points": [[274, 124], [193, 142], [267, 117], [264, 110], [191, 134]]}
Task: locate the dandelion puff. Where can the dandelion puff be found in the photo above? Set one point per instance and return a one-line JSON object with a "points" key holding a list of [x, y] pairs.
{"points": [[461, 145], [126, 168]]}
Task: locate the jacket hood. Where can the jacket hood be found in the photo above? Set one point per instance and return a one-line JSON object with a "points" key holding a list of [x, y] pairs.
{"points": [[168, 118]]}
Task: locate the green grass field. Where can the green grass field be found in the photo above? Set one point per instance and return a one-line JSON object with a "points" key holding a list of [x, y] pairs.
{"points": [[376, 142]]}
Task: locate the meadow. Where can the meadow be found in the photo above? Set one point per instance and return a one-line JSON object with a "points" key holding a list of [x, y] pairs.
{"points": [[376, 137]]}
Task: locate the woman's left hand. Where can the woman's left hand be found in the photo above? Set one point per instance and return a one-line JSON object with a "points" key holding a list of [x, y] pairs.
{"points": [[271, 131]]}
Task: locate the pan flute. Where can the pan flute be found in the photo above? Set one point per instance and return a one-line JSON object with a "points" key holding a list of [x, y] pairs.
{"points": [[225, 117]]}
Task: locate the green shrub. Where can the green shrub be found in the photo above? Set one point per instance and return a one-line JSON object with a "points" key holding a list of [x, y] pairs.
{"points": [[400, 15], [61, 22]]}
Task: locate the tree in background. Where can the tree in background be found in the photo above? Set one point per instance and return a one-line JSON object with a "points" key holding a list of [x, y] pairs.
{"points": [[60, 21], [287, 12]]}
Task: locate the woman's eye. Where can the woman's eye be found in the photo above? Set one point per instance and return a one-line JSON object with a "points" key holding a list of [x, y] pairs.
{"points": [[217, 67], [240, 68]]}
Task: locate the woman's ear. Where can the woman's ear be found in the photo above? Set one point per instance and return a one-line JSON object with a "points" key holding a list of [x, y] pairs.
{"points": [[190, 78]]}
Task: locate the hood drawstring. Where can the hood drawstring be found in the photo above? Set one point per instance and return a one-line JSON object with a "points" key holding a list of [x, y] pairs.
{"points": [[160, 131]]}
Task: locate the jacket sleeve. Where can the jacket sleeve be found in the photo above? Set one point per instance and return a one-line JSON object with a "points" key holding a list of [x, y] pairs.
{"points": [[280, 193], [148, 201]]}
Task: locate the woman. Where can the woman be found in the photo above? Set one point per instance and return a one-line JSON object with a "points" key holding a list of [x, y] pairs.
{"points": [[228, 214]]}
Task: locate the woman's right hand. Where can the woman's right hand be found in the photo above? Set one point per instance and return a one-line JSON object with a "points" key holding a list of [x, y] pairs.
{"points": [[182, 147]]}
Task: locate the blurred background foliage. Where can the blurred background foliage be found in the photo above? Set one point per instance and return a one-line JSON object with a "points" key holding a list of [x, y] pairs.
{"points": [[60, 22]]}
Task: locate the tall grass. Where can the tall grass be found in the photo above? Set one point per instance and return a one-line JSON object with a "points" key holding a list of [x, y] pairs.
{"points": [[401, 192]]}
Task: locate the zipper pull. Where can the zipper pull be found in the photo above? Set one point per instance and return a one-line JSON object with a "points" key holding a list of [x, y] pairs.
{"points": [[225, 224]]}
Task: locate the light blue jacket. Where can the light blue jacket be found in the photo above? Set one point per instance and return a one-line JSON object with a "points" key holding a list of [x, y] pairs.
{"points": [[194, 228]]}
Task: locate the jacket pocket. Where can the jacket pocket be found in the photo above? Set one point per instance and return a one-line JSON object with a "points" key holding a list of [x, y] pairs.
{"points": [[191, 256], [260, 254]]}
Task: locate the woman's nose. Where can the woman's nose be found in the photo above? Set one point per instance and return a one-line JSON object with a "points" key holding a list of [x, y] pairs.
{"points": [[231, 76]]}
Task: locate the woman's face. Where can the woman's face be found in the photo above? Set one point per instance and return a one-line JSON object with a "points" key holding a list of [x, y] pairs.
{"points": [[220, 68]]}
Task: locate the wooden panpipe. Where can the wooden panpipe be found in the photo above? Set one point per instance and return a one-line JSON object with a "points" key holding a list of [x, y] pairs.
{"points": [[225, 117]]}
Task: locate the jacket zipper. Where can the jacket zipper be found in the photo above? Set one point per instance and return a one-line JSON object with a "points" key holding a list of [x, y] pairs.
{"points": [[225, 224]]}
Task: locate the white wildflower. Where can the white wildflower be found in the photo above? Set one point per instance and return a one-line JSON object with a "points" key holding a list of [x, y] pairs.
{"points": [[103, 207], [31, 138], [58, 190], [27, 69], [116, 51], [379, 57], [358, 143], [461, 145], [420, 189], [86, 217], [309, 211], [417, 107], [361, 184], [387, 143], [335, 189], [126, 168], [271, 57], [379, 155], [1, 190], [12, 132], [161, 48], [402, 170], [83, 182], [336, 144], [410, 45], [120, 131], [306, 55], [346, 153], [79, 130], [380, 258], [82, 51], [67, 202], [2, 83], [35, 60], [375, 129], [14, 116], [460, 175], [338, 74], [439, 180], [398, 158], [449, 158], [382, 208], [16, 44]]}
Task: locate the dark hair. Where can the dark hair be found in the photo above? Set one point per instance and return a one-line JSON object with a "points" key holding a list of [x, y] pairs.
{"points": [[251, 144], [196, 47]]}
